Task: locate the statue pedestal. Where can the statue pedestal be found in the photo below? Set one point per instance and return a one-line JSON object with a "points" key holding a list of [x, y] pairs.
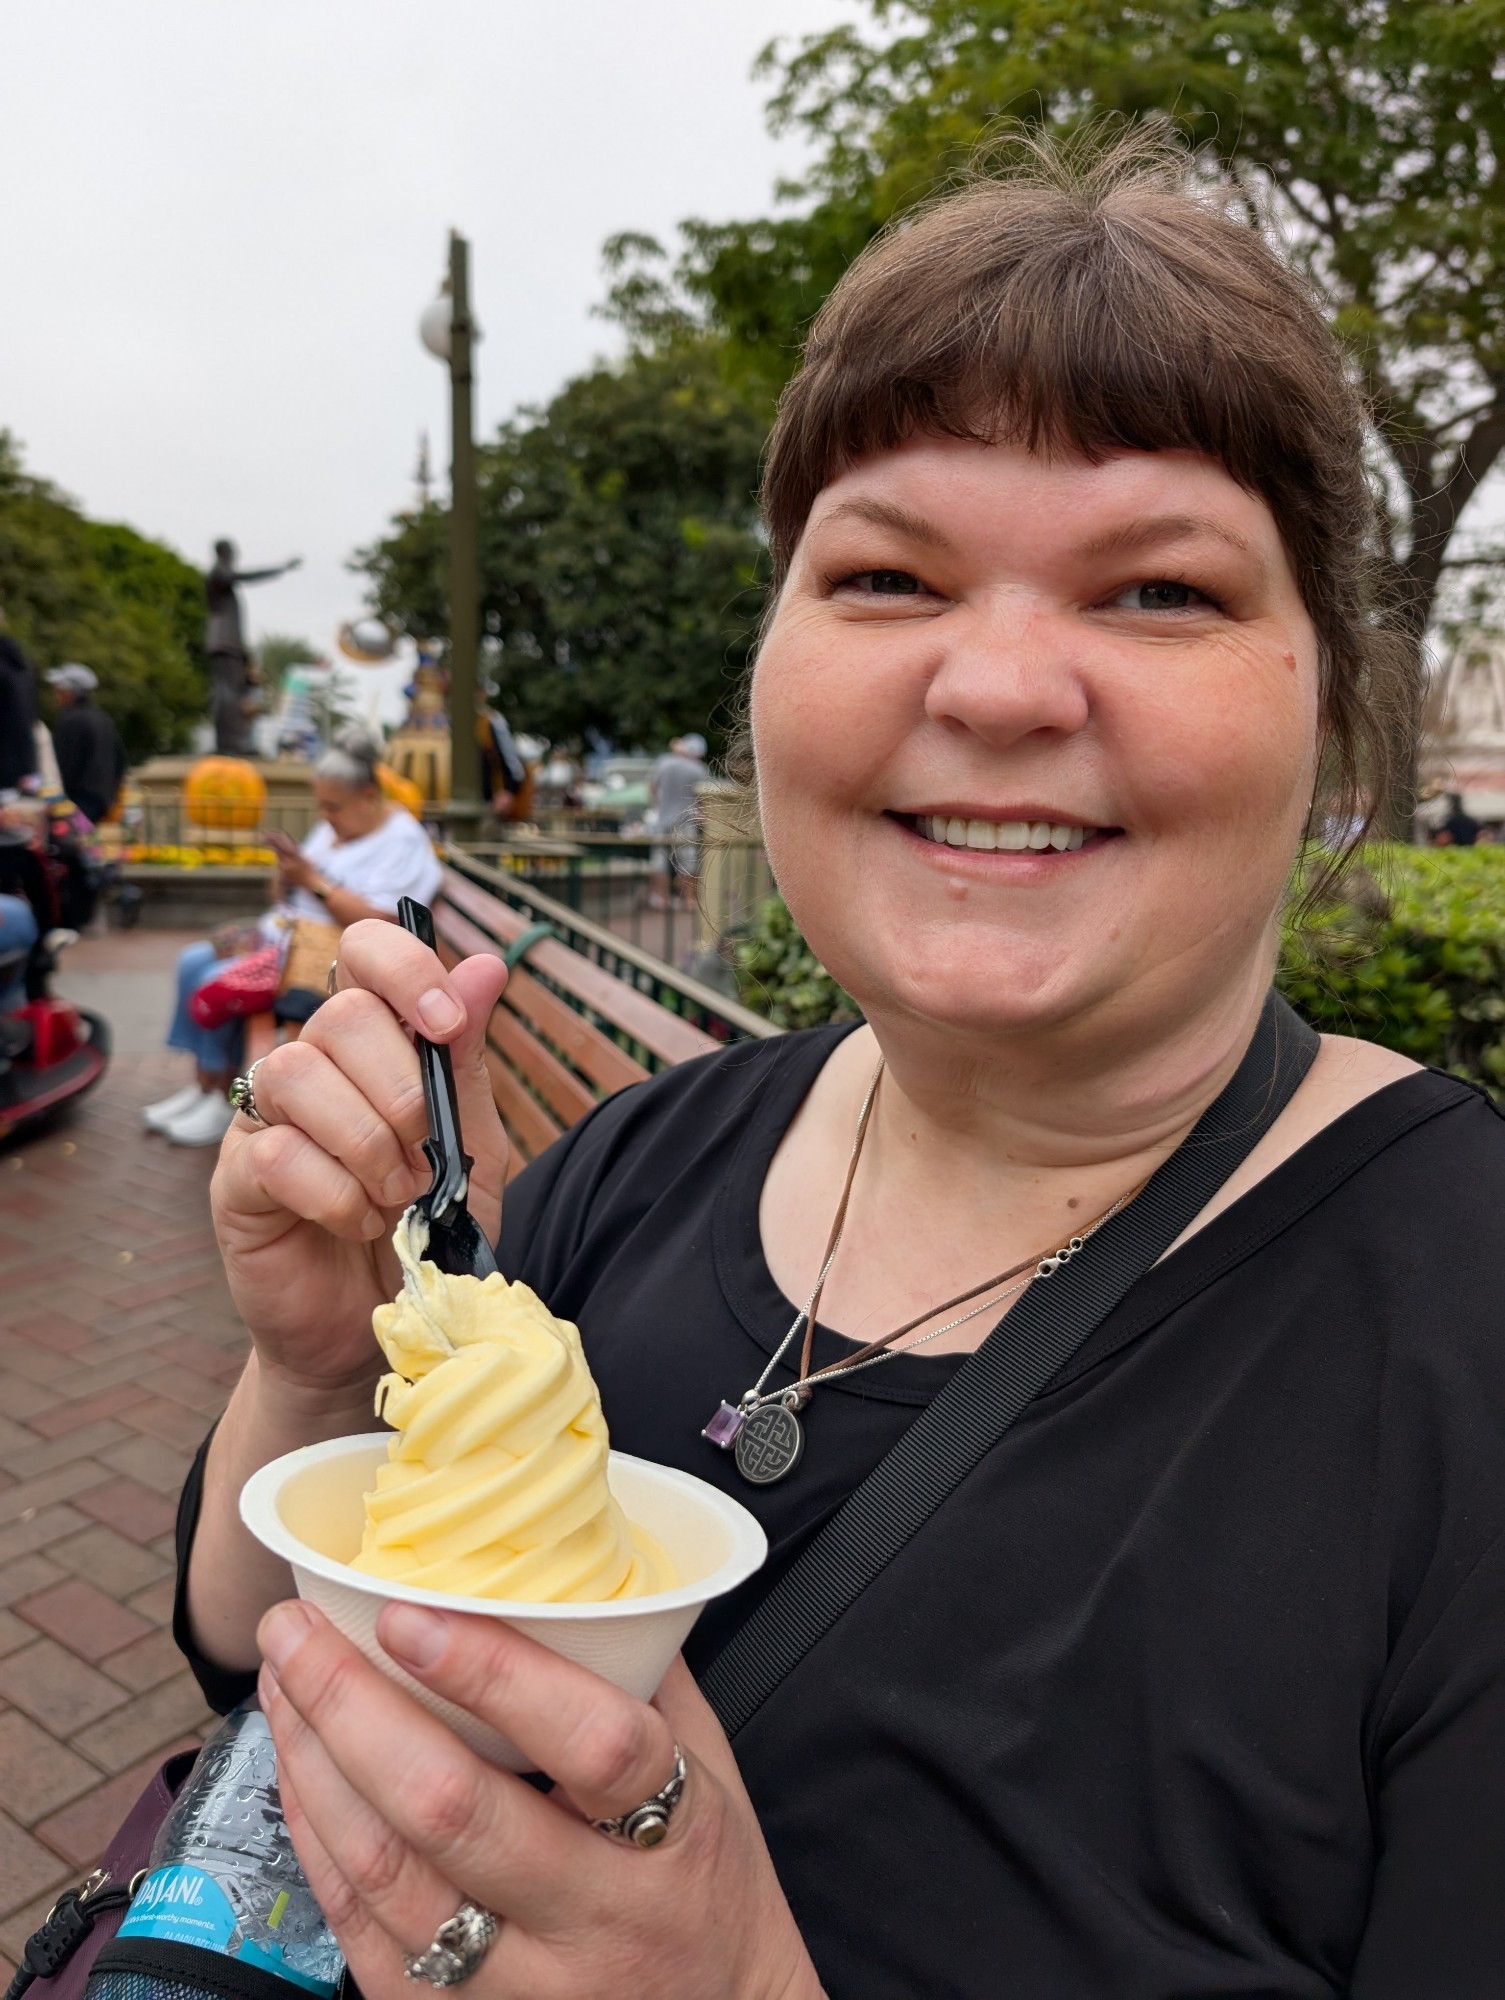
{"points": [[422, 755], [289, 808]]}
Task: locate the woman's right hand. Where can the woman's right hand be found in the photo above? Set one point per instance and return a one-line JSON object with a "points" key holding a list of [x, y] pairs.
{"points": [[304, 1207]]}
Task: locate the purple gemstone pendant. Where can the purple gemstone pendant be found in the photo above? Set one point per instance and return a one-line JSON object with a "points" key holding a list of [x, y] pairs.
{"points": [[723, 1428]]}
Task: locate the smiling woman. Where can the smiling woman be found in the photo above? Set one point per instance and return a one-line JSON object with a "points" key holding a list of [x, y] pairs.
{"points": [[1194, 1681]]}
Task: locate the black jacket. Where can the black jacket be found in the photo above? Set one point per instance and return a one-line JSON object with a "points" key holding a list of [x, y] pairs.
{"points": [[91, 758], [18, 715]]}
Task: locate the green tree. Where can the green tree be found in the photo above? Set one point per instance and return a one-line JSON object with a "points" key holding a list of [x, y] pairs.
{"points": [[276, 652], [75, 589], [620, 555], [1369, 132]]}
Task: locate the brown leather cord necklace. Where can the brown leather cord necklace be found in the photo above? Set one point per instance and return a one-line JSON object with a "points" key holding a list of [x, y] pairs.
{"points": [[763, 1430]]}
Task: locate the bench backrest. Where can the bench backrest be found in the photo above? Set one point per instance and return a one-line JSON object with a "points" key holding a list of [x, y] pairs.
{"points": [[566, 1032]]}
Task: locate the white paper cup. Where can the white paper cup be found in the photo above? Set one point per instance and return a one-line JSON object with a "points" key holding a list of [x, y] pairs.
{"points": [[308, 1508]]}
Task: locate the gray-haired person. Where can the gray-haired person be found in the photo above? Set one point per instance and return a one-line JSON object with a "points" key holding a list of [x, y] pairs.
{"points": [[672, 783], [91, 758], [363, 854]]}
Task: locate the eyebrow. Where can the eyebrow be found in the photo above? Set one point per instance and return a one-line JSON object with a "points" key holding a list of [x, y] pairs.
{"points": [[884, 514], [1159, 528]]}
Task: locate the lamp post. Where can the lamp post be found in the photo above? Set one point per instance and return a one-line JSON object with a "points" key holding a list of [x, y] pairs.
{"points": [[449, 332]]}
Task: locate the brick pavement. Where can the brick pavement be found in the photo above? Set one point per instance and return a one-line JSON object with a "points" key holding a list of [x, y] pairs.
{"points": [[118, 1343]]}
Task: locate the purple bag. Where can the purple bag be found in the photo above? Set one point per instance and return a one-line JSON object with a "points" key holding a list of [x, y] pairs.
{"points": [[60, 1956]]}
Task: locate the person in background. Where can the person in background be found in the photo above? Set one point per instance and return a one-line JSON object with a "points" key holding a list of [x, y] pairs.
{"points": [[18, 714], [504, 774], [362, 856], [672, 784], [18, 933], [1460, 828], [91, 758]]}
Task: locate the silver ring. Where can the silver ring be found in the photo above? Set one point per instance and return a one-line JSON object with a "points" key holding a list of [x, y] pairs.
{"points": [[646, 1825], [243, 1093], [332, 978], [460, 1943]]}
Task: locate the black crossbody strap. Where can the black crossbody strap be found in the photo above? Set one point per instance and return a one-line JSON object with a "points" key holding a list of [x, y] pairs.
{"points": [[1029, 1346]]}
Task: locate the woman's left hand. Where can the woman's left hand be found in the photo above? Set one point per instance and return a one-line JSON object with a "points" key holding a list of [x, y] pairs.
{"points": [[396, 1822]]}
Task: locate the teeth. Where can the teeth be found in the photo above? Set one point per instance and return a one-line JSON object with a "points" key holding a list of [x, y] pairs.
{"points": [[1011, 835]]}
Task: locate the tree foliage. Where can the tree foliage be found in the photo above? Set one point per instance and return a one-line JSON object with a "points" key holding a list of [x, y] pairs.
{"points": [[619, 552], [95, 591], [277, 653], [1370, 133]]}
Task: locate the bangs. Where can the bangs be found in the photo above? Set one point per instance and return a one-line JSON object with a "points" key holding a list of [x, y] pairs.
{"points": [[1066, 327]]}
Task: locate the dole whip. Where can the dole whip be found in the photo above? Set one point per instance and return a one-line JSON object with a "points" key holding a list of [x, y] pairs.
{"points": [[495, 1484]]}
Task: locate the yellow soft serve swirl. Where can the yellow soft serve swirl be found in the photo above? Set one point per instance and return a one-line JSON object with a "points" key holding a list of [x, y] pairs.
{"points": [[495, 1484]]}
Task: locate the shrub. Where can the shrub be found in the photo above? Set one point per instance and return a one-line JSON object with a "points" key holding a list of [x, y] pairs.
{"points": [[1410, 954]]}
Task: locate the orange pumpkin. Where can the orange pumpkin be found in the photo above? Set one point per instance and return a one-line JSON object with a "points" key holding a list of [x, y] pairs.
{"points": [[223, 792], [401, 791]]}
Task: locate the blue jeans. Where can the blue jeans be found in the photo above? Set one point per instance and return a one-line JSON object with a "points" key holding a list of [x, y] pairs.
{"points": [[18, 932], [217, 1049]]}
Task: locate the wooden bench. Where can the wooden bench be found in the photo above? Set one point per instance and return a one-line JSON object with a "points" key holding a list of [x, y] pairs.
{"points": [[568, 1031]]}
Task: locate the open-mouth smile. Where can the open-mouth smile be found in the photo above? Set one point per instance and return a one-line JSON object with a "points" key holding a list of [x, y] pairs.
{"points": [[991, 836]]}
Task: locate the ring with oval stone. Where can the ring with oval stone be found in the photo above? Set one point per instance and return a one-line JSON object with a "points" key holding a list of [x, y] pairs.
{"points": [[646, 1825]]}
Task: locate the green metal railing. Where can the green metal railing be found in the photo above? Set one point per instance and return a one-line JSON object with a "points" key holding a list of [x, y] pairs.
{"points": [[681, 918], [637, 889], [701, 1005]]}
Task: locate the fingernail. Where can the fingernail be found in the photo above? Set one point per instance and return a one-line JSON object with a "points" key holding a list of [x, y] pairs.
{"points": [[412, 1635], [373, 1223], [438, 1013], [282, 1632], [396, 1188]]}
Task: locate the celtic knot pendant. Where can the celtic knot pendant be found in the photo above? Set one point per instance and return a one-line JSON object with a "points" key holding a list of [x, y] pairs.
{"points": [[769, 1444]]}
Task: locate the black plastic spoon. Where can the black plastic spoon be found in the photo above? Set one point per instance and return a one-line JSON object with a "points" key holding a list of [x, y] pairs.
{"points": [[456, 1242]]}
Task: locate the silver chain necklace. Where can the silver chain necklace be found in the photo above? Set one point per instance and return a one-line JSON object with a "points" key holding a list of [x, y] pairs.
{"points": [[763, 1429]]}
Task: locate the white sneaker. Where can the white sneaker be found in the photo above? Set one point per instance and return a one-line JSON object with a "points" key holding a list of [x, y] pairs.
{"points": [[205, 1123], [157, 1117]]}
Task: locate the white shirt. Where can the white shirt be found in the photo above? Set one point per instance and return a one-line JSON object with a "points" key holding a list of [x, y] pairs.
{"points": [[395, 860]]}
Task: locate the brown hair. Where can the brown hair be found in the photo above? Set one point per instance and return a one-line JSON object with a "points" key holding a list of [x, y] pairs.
{"points": [[1086, 298]]}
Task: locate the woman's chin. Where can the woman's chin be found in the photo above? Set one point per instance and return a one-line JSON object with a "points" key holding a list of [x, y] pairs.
{"points": [[983, 986]]}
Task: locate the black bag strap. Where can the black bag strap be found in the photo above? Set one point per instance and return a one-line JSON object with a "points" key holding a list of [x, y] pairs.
{"points": [[1030, 1345]]}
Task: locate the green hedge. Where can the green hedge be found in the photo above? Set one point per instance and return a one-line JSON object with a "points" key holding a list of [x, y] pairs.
{"points": [[1411, 954]]}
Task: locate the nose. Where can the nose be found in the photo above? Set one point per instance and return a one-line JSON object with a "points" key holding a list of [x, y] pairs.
{"points": [[1012, 668]]}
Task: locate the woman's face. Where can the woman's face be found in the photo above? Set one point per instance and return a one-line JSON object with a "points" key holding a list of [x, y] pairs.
{"points": [[1036, 737], [352, 810]]}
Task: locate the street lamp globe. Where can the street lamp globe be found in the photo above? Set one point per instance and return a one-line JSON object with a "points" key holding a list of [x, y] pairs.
{"points": [[434, 324]]}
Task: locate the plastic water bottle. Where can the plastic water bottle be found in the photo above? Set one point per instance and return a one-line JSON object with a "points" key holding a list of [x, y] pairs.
{"points": [[223, 1878]]}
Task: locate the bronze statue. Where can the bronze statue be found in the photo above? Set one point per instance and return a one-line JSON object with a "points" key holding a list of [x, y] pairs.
{"points": [[225, 643]]}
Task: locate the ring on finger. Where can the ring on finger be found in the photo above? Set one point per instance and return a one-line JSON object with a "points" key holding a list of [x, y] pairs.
{"points": [[646, 1825], [459, 1945], [243, 1093]]}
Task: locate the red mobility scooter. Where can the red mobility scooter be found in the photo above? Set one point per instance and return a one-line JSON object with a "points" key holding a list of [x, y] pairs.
{"points": [[50, 1050]]}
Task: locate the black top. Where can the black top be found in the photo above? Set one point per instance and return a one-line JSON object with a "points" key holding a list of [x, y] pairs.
{"points": [[1196, 1686], [91, 758], [18, 715]]}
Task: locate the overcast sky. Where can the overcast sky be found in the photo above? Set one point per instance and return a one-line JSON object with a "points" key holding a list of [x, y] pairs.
{"points": [[220, 219]]}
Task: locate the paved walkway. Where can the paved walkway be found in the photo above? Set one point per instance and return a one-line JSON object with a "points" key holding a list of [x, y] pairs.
{"points": [[118, 1344]]}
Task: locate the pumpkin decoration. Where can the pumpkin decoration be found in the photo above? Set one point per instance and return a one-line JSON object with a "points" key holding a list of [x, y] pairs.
{"points": [[400, 790], [224, 792]]}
